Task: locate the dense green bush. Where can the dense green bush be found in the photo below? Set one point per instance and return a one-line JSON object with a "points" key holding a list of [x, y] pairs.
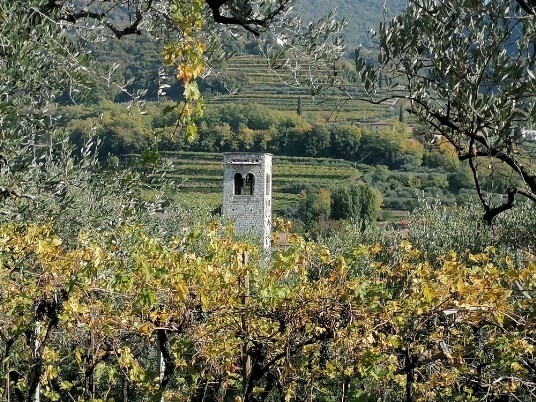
{"points": [[399, 203], [315, 206]]}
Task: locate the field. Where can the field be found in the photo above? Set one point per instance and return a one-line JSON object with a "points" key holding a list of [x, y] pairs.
{"points": [[198, 176]]}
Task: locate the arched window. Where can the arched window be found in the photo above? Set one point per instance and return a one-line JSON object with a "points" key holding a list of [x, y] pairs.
{"points": [[249, 185], [238, 184]]}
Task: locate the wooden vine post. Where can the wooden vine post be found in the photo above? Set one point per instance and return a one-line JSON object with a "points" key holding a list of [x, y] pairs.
{"points": [[161, 367], [246, 361], [37, 346]]}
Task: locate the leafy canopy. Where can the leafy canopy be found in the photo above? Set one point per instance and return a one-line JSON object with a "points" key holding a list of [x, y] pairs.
{"points": [[467, 69], [375, 322]]}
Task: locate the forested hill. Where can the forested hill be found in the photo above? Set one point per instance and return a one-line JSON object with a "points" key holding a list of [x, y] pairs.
{"points": [[139, 59], [362, 15]]}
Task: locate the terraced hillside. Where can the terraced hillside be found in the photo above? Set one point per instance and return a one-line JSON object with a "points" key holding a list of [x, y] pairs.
{"points": [[252, 81], [198, 176]]}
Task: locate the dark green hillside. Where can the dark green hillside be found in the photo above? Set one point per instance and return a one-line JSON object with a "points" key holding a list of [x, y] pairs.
{"points": [[362, 15], [136, 61], [243, 79]]}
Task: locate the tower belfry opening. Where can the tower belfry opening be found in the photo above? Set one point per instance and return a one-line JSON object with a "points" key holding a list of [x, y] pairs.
{"points": [[238, 184], [250, 184], [247, 194]]}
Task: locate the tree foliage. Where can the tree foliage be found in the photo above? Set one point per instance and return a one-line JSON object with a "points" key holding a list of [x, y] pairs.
{"points": [[85, 320], [467, 69], [356, 202], [98, 302]]}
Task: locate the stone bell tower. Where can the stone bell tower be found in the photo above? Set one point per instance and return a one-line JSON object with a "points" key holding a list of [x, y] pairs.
{"points": [[247, 194]]}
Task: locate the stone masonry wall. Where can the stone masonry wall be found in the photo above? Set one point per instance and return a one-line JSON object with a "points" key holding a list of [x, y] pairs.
{"points": [[251, 214]]}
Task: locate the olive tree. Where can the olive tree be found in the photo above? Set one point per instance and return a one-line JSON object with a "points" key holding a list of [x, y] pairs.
{"points": [[467, 70], [44, 56]]}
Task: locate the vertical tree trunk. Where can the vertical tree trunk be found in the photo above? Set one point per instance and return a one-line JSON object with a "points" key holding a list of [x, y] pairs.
{"points": [[345, 389], [35, 376], [160, 367], [166, 364], [92, 357], [7, 392], [42, 332]]}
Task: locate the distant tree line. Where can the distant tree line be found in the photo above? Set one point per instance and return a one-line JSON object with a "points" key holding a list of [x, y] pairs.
{"points": [[254, 128], [260, 129]]}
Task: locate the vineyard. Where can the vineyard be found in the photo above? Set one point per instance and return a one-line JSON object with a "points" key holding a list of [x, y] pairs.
{"points": [[198, 175], [253, 81]]}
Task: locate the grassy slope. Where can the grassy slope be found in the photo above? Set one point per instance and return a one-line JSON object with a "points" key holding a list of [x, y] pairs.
{"points": [[258, 83]]}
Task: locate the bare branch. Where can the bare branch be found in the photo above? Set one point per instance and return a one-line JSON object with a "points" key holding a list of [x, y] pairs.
{"points": [[528, 6], [215, 6]]}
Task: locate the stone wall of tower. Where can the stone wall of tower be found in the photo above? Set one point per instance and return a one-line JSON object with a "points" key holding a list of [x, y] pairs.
{"points": [[250, 212]]}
